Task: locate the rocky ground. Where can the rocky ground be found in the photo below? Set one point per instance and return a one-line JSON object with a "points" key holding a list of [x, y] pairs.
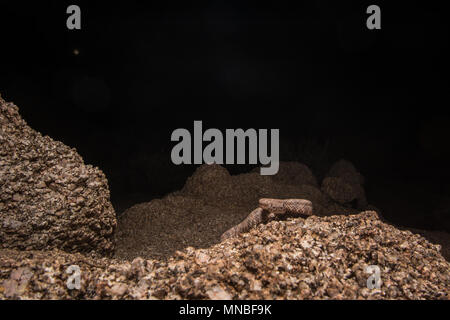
{"points": [[313, 258], [55, 213]]}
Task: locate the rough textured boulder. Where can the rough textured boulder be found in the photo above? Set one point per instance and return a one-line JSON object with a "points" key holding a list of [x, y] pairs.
{"points": [[48, 197], [345, 185], [339, 190]]}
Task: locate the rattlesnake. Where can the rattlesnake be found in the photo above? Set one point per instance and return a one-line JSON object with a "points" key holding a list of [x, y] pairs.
{"points": [[268, 209]]}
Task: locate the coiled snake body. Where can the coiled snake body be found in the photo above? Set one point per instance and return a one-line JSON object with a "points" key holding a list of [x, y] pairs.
{"points": [[268, 209]]}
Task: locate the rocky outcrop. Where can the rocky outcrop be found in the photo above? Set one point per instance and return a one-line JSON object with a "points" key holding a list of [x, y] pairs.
{"points": [[345, 185], [312, 258], [48, 197]]}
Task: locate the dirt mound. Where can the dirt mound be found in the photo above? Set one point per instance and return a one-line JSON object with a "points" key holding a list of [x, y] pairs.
{"points": [[48, 197], [158, 228], [313, 258], [213, 183], [293, 173], [346, 170], [211, 202]]}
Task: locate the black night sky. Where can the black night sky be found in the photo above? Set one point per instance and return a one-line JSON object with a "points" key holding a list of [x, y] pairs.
{"points": [[137, 70]]}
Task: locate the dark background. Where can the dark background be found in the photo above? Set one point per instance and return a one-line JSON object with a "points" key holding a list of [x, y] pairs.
{"points": [[310, 68]]}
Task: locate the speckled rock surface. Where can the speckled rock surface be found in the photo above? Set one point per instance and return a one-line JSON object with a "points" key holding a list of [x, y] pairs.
{"points": [[339, 190], [344, 184], [313, 258], [48, 197]]}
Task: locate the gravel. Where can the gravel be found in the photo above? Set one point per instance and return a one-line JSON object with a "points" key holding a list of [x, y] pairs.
{"points": [[313, 258]]}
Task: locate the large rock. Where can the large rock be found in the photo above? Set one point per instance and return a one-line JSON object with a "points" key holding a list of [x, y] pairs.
{"points": [[339, 190], [344, 184], [48, 197]]}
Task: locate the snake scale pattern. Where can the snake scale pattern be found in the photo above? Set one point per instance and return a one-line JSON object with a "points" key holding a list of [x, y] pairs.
{"points": [[268, 209]]}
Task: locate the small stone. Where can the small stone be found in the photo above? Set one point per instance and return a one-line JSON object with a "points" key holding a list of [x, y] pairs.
{"points": [[202, 258], [59, 213], [41, 185], [217, 293], [10, 288], [118, 290], [256, 285], [17, 197], [332, 292]]}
